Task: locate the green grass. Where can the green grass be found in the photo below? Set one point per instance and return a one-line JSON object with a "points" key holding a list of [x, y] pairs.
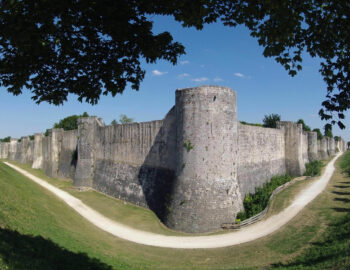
{"points": [[332, 250], [38, 231], [345, 163], [284, 198], [126, 213]]}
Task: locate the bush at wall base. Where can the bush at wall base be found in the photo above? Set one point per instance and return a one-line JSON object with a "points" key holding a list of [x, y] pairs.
{"points": [[313, 168], [257, 202]]}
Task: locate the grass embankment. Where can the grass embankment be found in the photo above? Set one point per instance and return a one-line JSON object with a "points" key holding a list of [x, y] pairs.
{"points": [[38, 231], [332, 250], [126, 213]]}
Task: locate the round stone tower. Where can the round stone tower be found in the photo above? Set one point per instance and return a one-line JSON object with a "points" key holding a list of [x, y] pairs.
{"points": [[206, 192]]}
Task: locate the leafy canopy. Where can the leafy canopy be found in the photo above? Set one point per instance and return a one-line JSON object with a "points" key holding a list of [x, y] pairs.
{"points": [[305, 126], [123, 119], [6, 139], [70, 122], [271, 120], [319, 133], [328, 131], [89, 48]]}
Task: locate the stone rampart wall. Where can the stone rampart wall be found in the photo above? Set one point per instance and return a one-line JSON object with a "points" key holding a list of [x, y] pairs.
{"points": [[305, 147], [68, 154], [261, 156], [135, 162], [193, 168]]}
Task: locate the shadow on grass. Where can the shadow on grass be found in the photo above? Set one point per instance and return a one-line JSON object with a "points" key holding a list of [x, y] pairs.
{"points": [[20, 251], [342, 200], [341, 193], [331, 252], [346, 182], [341, 210], [339, 186]]}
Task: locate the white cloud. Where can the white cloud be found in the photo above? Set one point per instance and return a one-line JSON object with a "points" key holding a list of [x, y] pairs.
{"points": [[183, 75], [201, 79], [184, 62], [158, 73], [217, 79], [237, 74]]}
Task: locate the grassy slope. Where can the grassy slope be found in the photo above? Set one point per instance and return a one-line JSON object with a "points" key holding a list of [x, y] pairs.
{"points": [[30, 210], [118, 210], [332, 249]]}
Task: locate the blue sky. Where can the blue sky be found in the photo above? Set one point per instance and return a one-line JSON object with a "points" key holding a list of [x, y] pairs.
{"points": [[217, 55]]}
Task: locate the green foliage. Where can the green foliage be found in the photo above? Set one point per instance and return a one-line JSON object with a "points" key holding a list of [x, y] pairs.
{"points": [[123, 119], [114, 122], [46, 133], [328, 131], [271, 120], [188, 145], [70, 122], [109, 42], [319, 133], [106, 45], [31, 137], [257, 202], [251, 124], [313, 168], [336, 138], [305, 126], [6, 139]]}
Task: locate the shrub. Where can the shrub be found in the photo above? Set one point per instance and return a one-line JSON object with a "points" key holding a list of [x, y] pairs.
{"points": [[319, 133], [6, 139], [188, 145], [271, 120], [257, 202], [70, 122], [328, 131], [125, 120], [313, 168], [305, 126]]}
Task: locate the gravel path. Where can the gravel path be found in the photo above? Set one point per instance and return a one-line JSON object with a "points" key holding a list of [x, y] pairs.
{"points": [[246, 234]]}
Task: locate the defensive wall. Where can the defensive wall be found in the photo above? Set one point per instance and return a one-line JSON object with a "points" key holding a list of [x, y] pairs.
{"points": [[193, 168]]}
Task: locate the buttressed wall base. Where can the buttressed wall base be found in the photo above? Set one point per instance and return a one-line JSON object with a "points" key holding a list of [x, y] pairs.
{"points": [[193, 168]]}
